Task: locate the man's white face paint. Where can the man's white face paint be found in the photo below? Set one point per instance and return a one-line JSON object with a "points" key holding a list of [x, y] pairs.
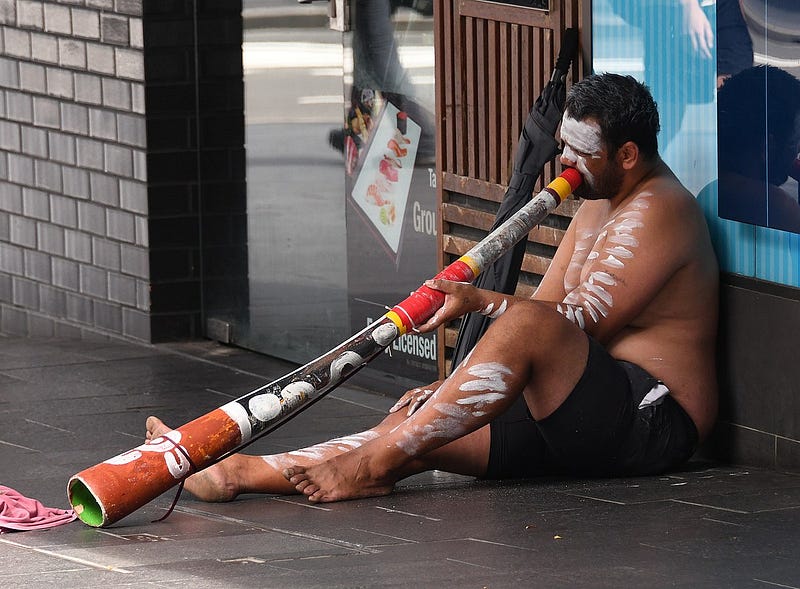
{"points": [[582, 141]]}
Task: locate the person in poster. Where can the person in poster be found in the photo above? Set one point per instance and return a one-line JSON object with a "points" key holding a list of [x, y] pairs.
{"points": [[759, 142]]}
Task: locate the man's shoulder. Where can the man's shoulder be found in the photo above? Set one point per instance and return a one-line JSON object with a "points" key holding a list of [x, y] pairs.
{"points": [[666, 197], [675, 217]]}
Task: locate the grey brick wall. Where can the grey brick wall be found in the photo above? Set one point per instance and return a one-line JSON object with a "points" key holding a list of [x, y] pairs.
{"points": [[195, 164], [112, 220], [73, 195]]}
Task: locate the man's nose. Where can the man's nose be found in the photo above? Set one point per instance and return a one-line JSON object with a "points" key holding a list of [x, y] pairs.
{"points": [[568, 157]]}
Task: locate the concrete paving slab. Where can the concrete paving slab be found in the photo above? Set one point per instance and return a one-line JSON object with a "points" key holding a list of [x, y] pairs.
{"points": [[67, 405]]}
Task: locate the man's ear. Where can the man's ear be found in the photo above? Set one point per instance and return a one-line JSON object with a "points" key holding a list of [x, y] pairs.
{"points": [[628, 155]]}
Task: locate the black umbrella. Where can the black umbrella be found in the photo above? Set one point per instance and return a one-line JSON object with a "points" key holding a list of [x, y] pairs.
{"points": [[537, 146]]}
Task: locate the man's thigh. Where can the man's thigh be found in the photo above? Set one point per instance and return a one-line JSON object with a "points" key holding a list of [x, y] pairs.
{"points": [[585, 434]]}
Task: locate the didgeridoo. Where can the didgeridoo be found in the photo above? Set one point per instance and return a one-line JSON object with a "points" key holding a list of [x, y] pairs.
{"points": [[111, 490]]}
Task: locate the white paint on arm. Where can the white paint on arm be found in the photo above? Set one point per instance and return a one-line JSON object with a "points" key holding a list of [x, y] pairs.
{"points": [[493, 313], [583, 245], [572, 312]]}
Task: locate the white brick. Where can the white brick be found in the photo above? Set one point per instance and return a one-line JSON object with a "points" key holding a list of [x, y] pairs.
{"points": [[86, 23], [57, 19]]}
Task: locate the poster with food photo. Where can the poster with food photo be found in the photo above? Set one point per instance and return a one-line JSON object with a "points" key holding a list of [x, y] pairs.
{"points": [[381, 190]]}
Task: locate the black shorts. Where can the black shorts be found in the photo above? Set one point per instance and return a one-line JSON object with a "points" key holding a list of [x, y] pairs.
{"points": [[618, 420]]}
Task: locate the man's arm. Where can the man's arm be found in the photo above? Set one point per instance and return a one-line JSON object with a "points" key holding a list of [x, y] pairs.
{"points": [[462, 298], [551, 288]]}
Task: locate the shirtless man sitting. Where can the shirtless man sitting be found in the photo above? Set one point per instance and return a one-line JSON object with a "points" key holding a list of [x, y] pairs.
{"points": [[609, 370]]}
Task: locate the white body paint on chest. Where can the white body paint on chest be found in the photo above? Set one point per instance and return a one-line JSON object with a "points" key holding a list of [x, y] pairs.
{"points": [[614, 247]]}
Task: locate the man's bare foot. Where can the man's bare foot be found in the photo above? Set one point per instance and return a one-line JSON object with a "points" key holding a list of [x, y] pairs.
{"points": [[215, 483], [347, 476]]}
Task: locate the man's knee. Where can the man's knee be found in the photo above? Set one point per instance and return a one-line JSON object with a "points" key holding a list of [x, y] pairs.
{"points": [[536, 322], [538, 332]]}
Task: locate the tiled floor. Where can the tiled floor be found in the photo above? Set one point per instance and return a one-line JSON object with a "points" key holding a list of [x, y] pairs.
{"points": [[66, 405]]}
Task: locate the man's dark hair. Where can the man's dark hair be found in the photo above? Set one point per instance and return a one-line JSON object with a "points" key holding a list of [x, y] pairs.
{"points": [[622, 106]]}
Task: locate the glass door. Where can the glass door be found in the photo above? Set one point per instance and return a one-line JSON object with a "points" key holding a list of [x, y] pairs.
{"points": [[295, 181], [341, 187], [390, 183]]}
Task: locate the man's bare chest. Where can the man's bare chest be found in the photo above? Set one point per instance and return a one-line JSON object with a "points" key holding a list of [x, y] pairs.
{"points": [[603, 246]]}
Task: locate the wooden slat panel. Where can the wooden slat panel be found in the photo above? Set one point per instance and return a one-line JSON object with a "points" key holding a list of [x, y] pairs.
{"points": [[525, 290], [472, 102], [489, 11], [445, 86], [473, 187], [495, 192], [460, 95], [492, 62], [516, 84], [493, 99], [526, 58], [482, 111], [484, 221], [504, 111]]}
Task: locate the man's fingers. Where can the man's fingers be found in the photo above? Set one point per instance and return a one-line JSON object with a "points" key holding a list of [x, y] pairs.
{"points": [[437, 284], [419, 400], [399, 405], [404, 400], [443, 285], [431, 323]]}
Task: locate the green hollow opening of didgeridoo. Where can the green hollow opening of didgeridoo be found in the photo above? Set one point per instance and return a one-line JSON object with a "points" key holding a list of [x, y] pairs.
{"points": [[85, 504]]}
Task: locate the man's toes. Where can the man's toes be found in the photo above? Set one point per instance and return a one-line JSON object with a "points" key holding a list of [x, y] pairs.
{"points": [[317, 496], [310, 490], [294, 472], [301, 485], [155, 427], [298, 478]]}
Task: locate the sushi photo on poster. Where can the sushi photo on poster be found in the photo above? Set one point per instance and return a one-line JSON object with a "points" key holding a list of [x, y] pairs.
{"points": [[382, 187]]}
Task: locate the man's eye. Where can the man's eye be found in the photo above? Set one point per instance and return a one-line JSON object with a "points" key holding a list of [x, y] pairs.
{"points": [[567, 149]]}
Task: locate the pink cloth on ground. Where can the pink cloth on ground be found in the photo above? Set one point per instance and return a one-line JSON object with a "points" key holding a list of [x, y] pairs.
{"points": [[23, 513]]}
